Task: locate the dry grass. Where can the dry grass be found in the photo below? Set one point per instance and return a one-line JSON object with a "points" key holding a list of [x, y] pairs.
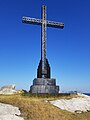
{"points": [[35, 108]]}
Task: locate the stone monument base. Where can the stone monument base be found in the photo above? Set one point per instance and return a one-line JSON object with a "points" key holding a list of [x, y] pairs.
{"points": [[44, 85]]}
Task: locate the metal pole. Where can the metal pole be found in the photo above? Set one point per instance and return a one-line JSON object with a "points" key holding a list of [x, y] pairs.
{"points": [[43, 42]]}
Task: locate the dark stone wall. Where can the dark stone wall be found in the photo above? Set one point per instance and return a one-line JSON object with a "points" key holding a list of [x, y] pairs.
{"points": [[41, 85], [39, 70]]}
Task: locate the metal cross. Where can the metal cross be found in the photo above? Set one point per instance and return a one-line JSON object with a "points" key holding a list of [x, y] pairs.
{"points": [[44, 23]]}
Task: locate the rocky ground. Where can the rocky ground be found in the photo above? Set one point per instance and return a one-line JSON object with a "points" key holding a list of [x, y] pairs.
{"points": [[40, 108], [78, 105], [8, 112]]}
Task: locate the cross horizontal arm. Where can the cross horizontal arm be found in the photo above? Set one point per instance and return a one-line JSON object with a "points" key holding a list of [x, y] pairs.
{"points": [[35, 21], [29, 20], [55, 24]]}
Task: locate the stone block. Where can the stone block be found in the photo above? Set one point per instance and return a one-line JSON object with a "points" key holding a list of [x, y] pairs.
{"points": [[41, 85]]}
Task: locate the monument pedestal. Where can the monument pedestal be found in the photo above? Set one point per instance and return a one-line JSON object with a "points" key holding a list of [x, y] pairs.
{"points": [[44, 85]]}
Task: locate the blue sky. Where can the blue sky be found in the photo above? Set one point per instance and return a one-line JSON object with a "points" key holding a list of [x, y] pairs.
{"points": [[68, 49]]}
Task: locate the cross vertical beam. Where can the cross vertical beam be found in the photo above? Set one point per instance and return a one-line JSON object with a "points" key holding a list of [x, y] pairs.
{"points": [[43, 42]]}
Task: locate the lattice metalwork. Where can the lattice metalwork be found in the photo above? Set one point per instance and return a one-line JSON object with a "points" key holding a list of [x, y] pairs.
{"points": [[35, 21]]}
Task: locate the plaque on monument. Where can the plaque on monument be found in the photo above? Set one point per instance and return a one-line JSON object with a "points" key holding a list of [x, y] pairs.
{"points": [[43, 83]]}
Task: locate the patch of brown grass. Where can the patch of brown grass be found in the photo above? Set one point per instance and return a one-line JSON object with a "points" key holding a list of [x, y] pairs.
{"points": [[35, 108]]}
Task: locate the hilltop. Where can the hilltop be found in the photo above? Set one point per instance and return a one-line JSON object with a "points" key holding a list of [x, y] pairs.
{"points": [[37, 107]]}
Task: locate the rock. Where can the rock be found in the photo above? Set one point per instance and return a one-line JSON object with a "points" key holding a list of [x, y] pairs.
{"points": [[8, 112], [83, 95], [78, 111], [88, 110], [77, 105], [6, 90], [21, 91]]}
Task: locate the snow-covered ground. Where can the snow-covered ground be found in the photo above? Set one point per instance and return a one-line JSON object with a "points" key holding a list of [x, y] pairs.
{"points": [[79, 104], [8, 112]]}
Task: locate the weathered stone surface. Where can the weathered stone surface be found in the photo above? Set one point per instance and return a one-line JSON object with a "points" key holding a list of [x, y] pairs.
{"points": [[8, 112], [10, 89], [39, 70], [46, 81], [44, 85], [77, 105]]}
